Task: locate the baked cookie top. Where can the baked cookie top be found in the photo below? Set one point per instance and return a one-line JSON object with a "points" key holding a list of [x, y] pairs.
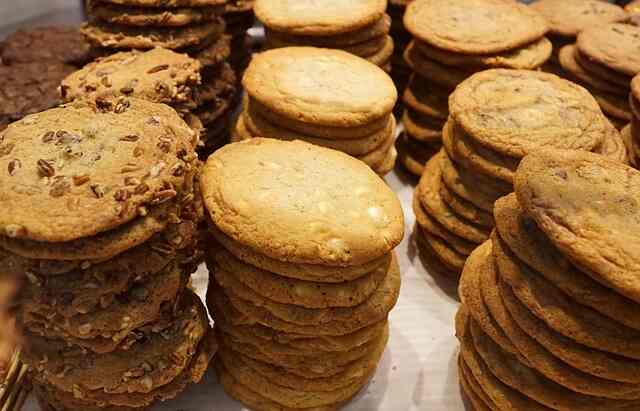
{"points": [[569, 17], [320, 86], [157, 75], [145, 16], [87, 167], [64, 44], [474, 26], [515, 112], [318, 18], [588, 207], [301, 203], [616, 46], [168, 3]]}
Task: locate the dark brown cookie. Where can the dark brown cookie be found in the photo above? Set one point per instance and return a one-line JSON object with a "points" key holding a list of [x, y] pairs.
{"points": [[54, 43]]}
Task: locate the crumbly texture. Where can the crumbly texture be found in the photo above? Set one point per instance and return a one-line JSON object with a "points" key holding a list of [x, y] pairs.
{"points": [[474, 26], [158, 75], [87, 167], [308, 17], [612, 45], [320, 86], [147, 16], [562, 190], [114, 36], [527, 57], [278, 171], [27, 88], [515, 112], [569, 17], [45, 44]]}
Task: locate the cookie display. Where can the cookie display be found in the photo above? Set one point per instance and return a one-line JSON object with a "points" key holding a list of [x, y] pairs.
{"points": [[469, 37], [359, 27], [301, 316], [606, 73], [324, 97], [239, 18], [50, 44], [400, 71], [198, 29], [631, 133], [102, 210], [549, 308], [491, 126]]}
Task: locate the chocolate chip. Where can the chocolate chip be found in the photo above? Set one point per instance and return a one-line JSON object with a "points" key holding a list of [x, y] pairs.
{"points": [[158, 68], [80, 180], [97, 190], [14, 166], [130, 138], [48, 137], [60, 188]]}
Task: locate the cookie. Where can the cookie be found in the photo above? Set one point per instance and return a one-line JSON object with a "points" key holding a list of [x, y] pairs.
{"points": [[212, 54], [48, 45], [474, 26], [459, 181], [601, 70], [465, 208], [427, 98], [308, 272], [472, 390], [613, 46], [448, 77], [299, 292], [340, 95], [527, 57], [154, 17], [568, 18], [168, 3], [129, 37], [588, 360], [570, 64], [377, 29], [605, 249], [379, 230], [382, 57], [309, 18], [479, 264], [66, 149], [485, 103], [432, 262], [374, 158], [414, 154], [257, 126], [158, 75], [520, 241]]}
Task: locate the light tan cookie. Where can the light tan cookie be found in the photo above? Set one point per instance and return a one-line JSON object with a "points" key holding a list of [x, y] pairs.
{"points": [[306, 17], [448, 77], [515, 112], [568, 18], [605, 248], [474, 26], [320, 86], [568, 62], [232, 178], [146, 16], [612, 45]]}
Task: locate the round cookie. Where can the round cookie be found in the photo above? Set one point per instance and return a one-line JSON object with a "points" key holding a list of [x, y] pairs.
{"points": [[169, 3], [427, 98], [478, 399], [461, 182], [515, 112], [433, 71], [72, 158], [474, 26], [382, 57], [320, 86], [299, 292], [146, 16], [158, 75], [262, 180], [567, 59], [308, 17], [465, 208], [387, 164], [602, 71], [527, 57], [569, 17], [612, 45], [445, 253], [521, 241], [118, 36], [606, 247], [45, 44], [428, 191]]}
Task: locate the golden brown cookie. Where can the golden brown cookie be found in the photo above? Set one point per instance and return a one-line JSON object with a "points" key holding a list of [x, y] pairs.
{"points": [[613, 46], [605, 248], [569, 17], [148, 16], [231, 181], [418, 129], [567, 59], [474, 26]]}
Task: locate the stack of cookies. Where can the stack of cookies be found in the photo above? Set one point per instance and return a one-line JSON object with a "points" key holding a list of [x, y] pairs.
{"points": [[100, 214], [551, 304], [32, 64], [360, 27], [400, 71], [324, 97], [604, 60], [188, 27], [453, 40], [496, 118], [303, 273], [567, 18], [238, 17], [631, 133]]}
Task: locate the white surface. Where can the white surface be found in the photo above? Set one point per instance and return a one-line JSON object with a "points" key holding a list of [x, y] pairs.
{"points": [[418, 371]]}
